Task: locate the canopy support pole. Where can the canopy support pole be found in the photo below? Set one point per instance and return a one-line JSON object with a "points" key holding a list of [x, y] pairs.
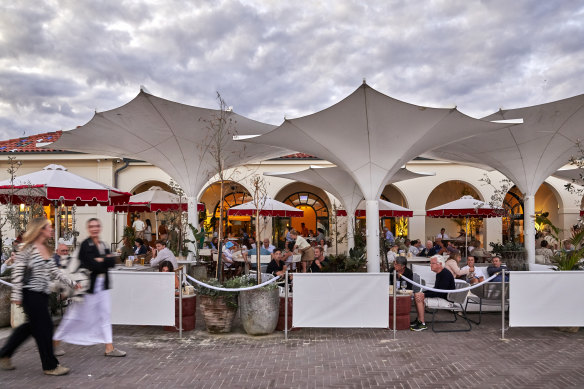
{"points": [[529, 226], [193, 219], [372, 234]]}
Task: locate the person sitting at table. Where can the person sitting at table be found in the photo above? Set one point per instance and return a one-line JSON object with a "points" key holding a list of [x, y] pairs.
{"points": [[430, 299], [267, 246], [450, 248], [162, 254], [214, 244], [475, 273], [289, 239], [497, 267], [277, 266], [401, 268], [392, 253], [452, 265], [442, 235], [440, 248], [127, 250], [166, 266], [545, 251], [319, 260], [249, 256], [428, 251], [416, 247], [303, 230], [227, 256], [139, 247]]}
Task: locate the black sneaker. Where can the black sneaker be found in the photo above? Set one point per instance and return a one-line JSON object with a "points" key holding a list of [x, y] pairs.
{"points": [[415, 322], [419, 327]]}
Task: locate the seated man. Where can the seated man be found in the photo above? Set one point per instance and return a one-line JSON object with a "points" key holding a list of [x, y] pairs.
{"points": [[474, 274], [430, 299], [427, 251], [277, 267], [163, 254], [545, 251], [250, 256], [496, 267], [266, 245], [227, 256], [401, 269], [319, 260]]}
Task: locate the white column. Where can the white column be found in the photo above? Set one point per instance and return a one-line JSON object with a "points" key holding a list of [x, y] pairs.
{"points": [[529, 227], [193, 218], [372, 223]]}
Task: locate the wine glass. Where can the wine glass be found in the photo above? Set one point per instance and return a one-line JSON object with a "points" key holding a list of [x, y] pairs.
{"points": [[403, 286]]}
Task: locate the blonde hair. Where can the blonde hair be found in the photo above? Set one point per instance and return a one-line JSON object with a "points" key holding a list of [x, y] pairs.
{"points": [[33, 230], [293, 232]]}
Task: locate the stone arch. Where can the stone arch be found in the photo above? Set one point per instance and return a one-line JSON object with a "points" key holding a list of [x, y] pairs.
{"points": [[234, 194]]}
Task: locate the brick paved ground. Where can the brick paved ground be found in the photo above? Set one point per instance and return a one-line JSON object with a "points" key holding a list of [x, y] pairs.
{"points": [[315, 358]]}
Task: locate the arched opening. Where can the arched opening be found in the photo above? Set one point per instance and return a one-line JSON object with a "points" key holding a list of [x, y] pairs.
{"points": [[235, 194], [455, 228], [546, 201], [315, 204], [397, 225], [150, 216]]}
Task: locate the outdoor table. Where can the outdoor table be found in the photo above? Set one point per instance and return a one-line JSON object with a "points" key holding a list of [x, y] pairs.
{"points": [[403, 305], [263, 258], [135, 268], [413, 260]]}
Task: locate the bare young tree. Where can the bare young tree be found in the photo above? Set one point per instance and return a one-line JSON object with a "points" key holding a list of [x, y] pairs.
{"points": [[259, 200]]}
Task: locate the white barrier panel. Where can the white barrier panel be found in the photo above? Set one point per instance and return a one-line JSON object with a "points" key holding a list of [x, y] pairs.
{"points": [[335, 300], [546, 299], [142, 298]]}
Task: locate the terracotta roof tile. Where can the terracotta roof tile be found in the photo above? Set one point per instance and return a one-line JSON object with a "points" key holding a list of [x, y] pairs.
{"points": [[28, 144]]}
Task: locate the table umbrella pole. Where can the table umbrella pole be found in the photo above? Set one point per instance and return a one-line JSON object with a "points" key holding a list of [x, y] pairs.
{"points": [[57, 223], [466, 240], [156, 223]]}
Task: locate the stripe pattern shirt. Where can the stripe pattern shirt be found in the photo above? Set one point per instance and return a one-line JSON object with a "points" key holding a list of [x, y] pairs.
{"points": [[42, 271]]}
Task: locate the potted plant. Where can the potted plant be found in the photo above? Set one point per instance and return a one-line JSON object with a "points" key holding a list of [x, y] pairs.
{"points": [[5, 292], [259, 308], [218, 307]]}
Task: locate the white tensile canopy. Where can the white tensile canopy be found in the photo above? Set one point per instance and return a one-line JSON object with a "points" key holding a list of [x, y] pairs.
{"points": [[386, 209], [173, 136], [338, 182], [526, 153], [571, 175], [371, 136]]}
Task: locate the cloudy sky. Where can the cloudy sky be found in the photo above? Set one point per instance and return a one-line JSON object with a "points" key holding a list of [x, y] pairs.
{"points": [[62, 60]]}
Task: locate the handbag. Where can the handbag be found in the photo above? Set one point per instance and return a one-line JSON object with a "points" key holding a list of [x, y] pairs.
{"points": [[78, 275]]}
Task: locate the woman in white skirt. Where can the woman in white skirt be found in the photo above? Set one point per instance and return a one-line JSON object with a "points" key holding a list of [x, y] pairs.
{"points": [[89, 322]]}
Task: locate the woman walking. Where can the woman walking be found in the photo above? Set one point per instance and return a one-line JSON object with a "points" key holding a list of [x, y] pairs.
{"points": [[89, 322], [33, 269]]}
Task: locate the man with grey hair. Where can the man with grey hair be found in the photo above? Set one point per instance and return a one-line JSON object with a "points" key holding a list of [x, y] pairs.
{"points": [[431, 299]]}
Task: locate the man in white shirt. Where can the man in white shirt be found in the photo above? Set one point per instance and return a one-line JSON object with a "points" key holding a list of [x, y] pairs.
{"points": [[443, 235], [266, 245], [163, 254], [475, 274], [138, 227]]}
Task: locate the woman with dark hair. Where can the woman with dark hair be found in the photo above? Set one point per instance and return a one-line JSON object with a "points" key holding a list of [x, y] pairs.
{"points": [[89, 322], [33, 269], [166, 266], [148, 231], [139, 247], [401, 268]]}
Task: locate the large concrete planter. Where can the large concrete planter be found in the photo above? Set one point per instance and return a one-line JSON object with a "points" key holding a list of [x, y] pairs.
{"points": [[199, 272], [218, 316], [259, 310], [5, 292]]}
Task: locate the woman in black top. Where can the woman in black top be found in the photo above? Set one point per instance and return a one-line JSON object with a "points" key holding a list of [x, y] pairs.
{"points": [[401, 269], [89, 322]]}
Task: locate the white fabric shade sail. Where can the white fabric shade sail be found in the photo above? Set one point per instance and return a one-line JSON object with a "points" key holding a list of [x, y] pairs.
{"points": [[526, 153], [386, 209], [267, 206], [371, 136], [572, 175], [55, 184], [466, 206], [175, 137]]}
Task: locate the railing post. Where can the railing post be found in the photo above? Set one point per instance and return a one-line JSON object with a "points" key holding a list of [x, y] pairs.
{"points": [[503, 304], [394, 301], [180, 318], [286, 307]]}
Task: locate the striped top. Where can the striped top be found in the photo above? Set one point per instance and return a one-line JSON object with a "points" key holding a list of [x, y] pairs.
{"points": [[42, 271]]}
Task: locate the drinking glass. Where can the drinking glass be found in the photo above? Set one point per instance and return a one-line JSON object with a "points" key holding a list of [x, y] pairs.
{"points": [[403, 286]]}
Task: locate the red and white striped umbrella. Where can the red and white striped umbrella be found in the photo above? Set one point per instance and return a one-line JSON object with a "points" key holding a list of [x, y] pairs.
{"points": [[55, 184], [386, 209], [153, 200], [268, 206], [466, 206]]}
